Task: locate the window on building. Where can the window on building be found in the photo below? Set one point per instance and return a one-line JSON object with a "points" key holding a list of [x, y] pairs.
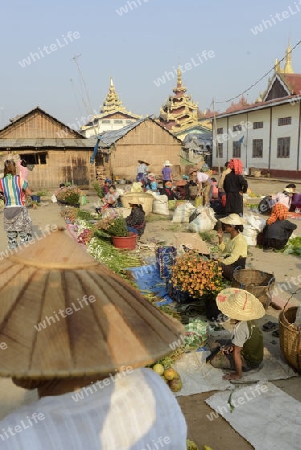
{"points": [[106, 121], [220, 130], [257, 125], [117, 121], [284, 121], [35, 158], [128, 121], [283, 147], [236, 149], [219, 150], [236, 127], [257, 148]]}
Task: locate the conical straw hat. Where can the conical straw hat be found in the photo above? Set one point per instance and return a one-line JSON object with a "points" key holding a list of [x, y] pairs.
{"points": [[239, 304], [107, 324]]}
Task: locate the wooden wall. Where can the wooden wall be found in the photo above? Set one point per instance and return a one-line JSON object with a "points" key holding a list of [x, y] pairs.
{"points": [[148, 142], [37, 126], [62, 166]]}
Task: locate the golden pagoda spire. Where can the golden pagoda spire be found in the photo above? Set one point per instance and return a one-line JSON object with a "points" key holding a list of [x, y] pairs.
{"points": [[288, 60], [112, 102], [179, 81], [277, 66]]}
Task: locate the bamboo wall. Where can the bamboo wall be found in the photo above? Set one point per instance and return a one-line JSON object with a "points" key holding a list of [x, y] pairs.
{"points": [[148, 142]]}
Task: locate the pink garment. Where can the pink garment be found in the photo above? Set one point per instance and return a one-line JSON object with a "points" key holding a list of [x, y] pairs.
{"points": [[22, 170], [236, 165]]}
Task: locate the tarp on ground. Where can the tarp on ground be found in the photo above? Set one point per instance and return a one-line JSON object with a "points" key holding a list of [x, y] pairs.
{"points": [[263, 414], [148, 279]]}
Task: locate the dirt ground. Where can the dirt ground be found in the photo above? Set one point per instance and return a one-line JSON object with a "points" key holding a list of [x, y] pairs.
{"points": [[218, 434]]}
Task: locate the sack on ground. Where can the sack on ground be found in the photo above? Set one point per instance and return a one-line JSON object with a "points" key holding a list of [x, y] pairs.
{"points": [[182, 213], [160, 205], [205, 221], [250, 234]]}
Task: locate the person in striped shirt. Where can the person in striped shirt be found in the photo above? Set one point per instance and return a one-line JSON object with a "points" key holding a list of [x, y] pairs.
{"points": [[16, 218]]}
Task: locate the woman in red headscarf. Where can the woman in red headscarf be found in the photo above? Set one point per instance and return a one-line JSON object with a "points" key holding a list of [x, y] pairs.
{"points": [[235, 185]]}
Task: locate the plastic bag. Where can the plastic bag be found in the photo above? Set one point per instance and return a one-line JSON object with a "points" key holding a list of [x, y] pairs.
{"points": [[205, 221], [183, 212]]}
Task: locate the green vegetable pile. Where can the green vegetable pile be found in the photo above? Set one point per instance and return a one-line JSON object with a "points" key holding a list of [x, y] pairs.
{"points": [[293, 247]]}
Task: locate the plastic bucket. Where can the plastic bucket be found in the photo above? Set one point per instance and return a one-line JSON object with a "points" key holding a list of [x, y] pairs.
{"points": [[128, 242]]}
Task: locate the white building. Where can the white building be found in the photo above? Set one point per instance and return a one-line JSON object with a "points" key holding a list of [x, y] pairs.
{"points": [[266, 134], [113, 116]]}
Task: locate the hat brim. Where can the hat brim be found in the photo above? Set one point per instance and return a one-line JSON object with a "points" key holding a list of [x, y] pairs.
{"points": [[239, 304], [233, 221]]}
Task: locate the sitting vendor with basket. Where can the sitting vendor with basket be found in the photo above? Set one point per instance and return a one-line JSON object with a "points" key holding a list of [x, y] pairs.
{"points": [[235, 250], [244, 352]]}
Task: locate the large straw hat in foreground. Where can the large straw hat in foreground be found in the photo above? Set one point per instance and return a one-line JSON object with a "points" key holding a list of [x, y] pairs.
{"points": [[93, 322], [239, 304]]}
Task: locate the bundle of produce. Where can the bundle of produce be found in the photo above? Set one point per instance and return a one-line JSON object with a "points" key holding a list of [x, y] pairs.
{"points": [[170, 376]]}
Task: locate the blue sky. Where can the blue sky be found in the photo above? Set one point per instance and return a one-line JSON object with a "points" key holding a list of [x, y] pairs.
{"points": [[137, 48]]}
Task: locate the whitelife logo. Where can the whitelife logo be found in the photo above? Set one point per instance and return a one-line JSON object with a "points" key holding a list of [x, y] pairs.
{"points": [[195, 62], [124, 9], [276, 18], [68, 311]]}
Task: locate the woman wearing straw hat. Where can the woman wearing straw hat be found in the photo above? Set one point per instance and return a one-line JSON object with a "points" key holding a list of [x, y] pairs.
{"points": [[236, 249], [142, 171], [167, 172], [80, 334], [245, 350], [136, 220]]}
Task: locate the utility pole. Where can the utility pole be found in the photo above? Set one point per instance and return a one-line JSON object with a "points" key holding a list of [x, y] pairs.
{"points": [[216, 141]]}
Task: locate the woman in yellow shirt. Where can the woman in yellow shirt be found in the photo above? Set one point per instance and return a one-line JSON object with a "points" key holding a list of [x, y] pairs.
{"points": [[234, 252]]}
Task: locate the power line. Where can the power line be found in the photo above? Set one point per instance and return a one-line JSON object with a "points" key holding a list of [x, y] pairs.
{"points": [[261, 78]]}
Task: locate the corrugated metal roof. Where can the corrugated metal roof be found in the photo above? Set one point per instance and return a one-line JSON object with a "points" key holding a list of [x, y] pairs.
{"points": [[48, 143], [110, 137]]}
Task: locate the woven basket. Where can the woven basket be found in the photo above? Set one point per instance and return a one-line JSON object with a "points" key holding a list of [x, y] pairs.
{"points": [[256, 282], [290, 337]]}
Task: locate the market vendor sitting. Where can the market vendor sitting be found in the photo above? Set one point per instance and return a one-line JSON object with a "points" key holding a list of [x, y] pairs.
{"points": [[278, 229], [151, 184], [236, 249], [168, 191], [106, 186], [110, 200], [181, 191], [244, 352], [136, 220]]}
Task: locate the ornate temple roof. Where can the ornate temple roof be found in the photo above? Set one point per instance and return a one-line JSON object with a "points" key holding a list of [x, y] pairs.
{"points": [[284, 76], [179, 112], [112, 105]]}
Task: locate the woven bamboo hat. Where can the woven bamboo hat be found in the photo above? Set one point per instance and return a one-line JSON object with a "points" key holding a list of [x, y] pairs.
{"points": [[108, 324], [239, 304], [233, 219]]}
